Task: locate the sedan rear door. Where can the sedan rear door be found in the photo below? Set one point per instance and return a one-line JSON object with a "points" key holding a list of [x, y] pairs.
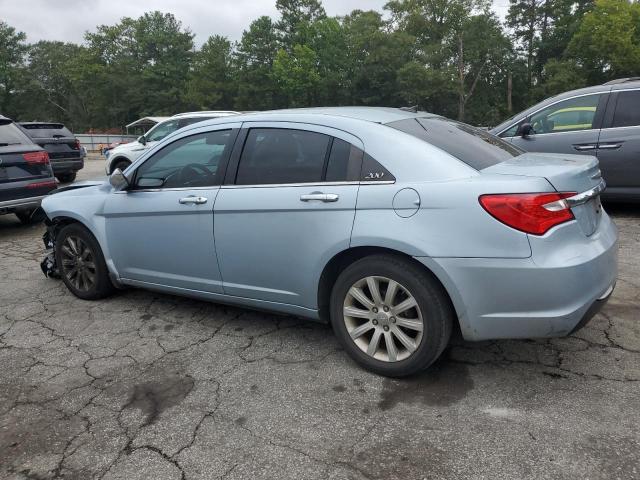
{"points": [[287, 207]]}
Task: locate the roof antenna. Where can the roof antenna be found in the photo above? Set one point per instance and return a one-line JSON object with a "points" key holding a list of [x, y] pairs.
{"points": [[413, 109]]}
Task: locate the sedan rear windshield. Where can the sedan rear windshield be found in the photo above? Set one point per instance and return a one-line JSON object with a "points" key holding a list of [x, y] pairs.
{"points": [[47, 130], [11, 135], [475, 147]]}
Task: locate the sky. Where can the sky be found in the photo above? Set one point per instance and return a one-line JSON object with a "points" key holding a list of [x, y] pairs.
{"points": [[67, 20]]}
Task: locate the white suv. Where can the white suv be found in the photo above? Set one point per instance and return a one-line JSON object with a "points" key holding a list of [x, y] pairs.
{"points": [[124, 155]]}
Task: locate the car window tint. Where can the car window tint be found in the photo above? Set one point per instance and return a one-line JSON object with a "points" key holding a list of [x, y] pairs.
{"points": [[10, 134], [511, 132], [345, 162], [274, 156], [162, 130], [477, 148], [573, 114], [627, 109], [189, 162]]}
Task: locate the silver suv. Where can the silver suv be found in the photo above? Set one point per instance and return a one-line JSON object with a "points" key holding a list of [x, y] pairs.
{"points": [[602, 121]]}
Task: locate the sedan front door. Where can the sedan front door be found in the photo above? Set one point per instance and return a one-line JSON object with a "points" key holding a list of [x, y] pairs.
{"points": [[568, 126], [160, 230], [289, 209]]}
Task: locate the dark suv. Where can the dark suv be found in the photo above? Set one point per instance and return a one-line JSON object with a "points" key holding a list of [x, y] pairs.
{"points": [[65, 152], [25, 173]]}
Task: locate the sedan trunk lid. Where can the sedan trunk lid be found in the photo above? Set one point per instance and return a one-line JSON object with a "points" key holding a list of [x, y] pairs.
{"points": [[566, 173]]}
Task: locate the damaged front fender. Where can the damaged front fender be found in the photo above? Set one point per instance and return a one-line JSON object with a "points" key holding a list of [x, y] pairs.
{"points": [[49, 265]]}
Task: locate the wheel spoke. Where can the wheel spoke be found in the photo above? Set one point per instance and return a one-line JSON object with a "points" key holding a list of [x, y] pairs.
{"points": [[410, 323], [392, 288], [374, 289], [392, 350], [405, 305], [374, 342], [67, 251], [359, 295], [72, 244], [361, 330], [404, 339], [356, 312]]}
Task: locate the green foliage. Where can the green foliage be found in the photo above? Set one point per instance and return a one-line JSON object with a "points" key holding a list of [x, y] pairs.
{"points": [[451, 57]]}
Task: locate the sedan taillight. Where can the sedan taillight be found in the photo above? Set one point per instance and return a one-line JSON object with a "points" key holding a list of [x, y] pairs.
{"points": [[534, 213], [35, 158]]}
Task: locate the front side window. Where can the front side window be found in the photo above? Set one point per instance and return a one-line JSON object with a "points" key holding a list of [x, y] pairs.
{"points": [[189, 162], [570, 115], [276, 156], [627, 109]]}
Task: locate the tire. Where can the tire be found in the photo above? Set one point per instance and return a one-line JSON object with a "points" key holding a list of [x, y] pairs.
{"points": [[92, 281], [432, 310], [121, 164], [66, 177], [31, 217]]}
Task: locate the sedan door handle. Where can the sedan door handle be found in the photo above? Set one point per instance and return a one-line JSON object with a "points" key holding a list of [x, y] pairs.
{"points": [[192, 200], [585, 147], [609, 146], [322, 197]]}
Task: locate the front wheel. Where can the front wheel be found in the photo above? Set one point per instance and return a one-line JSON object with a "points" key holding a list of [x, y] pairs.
{"points": [[81, 263], [391, 316], [121, 164]]}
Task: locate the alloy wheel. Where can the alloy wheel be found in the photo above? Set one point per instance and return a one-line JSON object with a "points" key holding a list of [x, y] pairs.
{"points": [[383, 318], [78, 263]]}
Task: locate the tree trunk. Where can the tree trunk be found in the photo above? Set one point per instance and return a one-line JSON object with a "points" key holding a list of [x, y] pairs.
{"points": [[509, 92], [461, 96]]}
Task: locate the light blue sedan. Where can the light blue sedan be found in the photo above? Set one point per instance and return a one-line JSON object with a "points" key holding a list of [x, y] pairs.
{"points": [[395, 226]]}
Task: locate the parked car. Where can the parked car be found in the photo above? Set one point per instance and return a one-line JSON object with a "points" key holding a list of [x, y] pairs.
{"points": [[65, 153], [124, 155], [25, 174], [602, 121], [392, 225]]}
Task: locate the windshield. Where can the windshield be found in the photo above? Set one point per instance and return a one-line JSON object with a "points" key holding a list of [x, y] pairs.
{"points": [[475, 147], [164, 129]]}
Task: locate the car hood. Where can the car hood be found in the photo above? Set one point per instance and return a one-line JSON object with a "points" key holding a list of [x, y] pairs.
{"points": [[74, 187], [127, 147]]}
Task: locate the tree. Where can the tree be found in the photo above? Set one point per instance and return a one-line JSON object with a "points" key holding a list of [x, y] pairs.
{"points": [[296, 75], [12, 51], [211, 83], [296, 18], [254, 59], [607, 43]]}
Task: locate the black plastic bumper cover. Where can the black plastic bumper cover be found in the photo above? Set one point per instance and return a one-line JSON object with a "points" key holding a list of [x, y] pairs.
{"points": [[591, 312]]}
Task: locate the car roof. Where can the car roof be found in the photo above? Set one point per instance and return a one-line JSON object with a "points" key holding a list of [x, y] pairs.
{"points": [[381, 115], [220, 113]]}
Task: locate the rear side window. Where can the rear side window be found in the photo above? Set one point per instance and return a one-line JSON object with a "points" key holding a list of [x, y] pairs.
{"points": [[274, 156], [47, 130], [345, 162], [475, 147], [10, 134], [627, 109]]}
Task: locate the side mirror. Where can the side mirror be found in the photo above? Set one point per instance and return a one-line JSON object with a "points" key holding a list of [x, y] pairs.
{"points": [[142, 139], [525, 130], [118, 180]]}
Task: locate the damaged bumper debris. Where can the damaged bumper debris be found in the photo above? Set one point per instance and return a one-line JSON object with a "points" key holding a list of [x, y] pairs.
{"points": [[48, 264]]}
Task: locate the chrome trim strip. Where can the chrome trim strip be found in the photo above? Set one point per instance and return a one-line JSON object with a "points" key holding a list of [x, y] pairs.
{"points": [[272, 185], [20, 202], [584, 197]]}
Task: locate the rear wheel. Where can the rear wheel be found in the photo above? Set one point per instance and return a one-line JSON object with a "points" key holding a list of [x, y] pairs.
{"points": [[391, 316], [81, 263], [66, 177], [29, 217], [121, 164]]}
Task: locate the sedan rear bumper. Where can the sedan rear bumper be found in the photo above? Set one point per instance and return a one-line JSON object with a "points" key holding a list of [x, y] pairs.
{"points": [[552, 293]]}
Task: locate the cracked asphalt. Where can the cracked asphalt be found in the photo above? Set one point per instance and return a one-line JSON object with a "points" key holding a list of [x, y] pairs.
{"points": [[150, 386]]}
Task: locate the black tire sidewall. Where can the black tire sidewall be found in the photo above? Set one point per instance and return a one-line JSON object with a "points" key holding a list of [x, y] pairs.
{"points": [[432, 300], [121, 164], [103, 285]]}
